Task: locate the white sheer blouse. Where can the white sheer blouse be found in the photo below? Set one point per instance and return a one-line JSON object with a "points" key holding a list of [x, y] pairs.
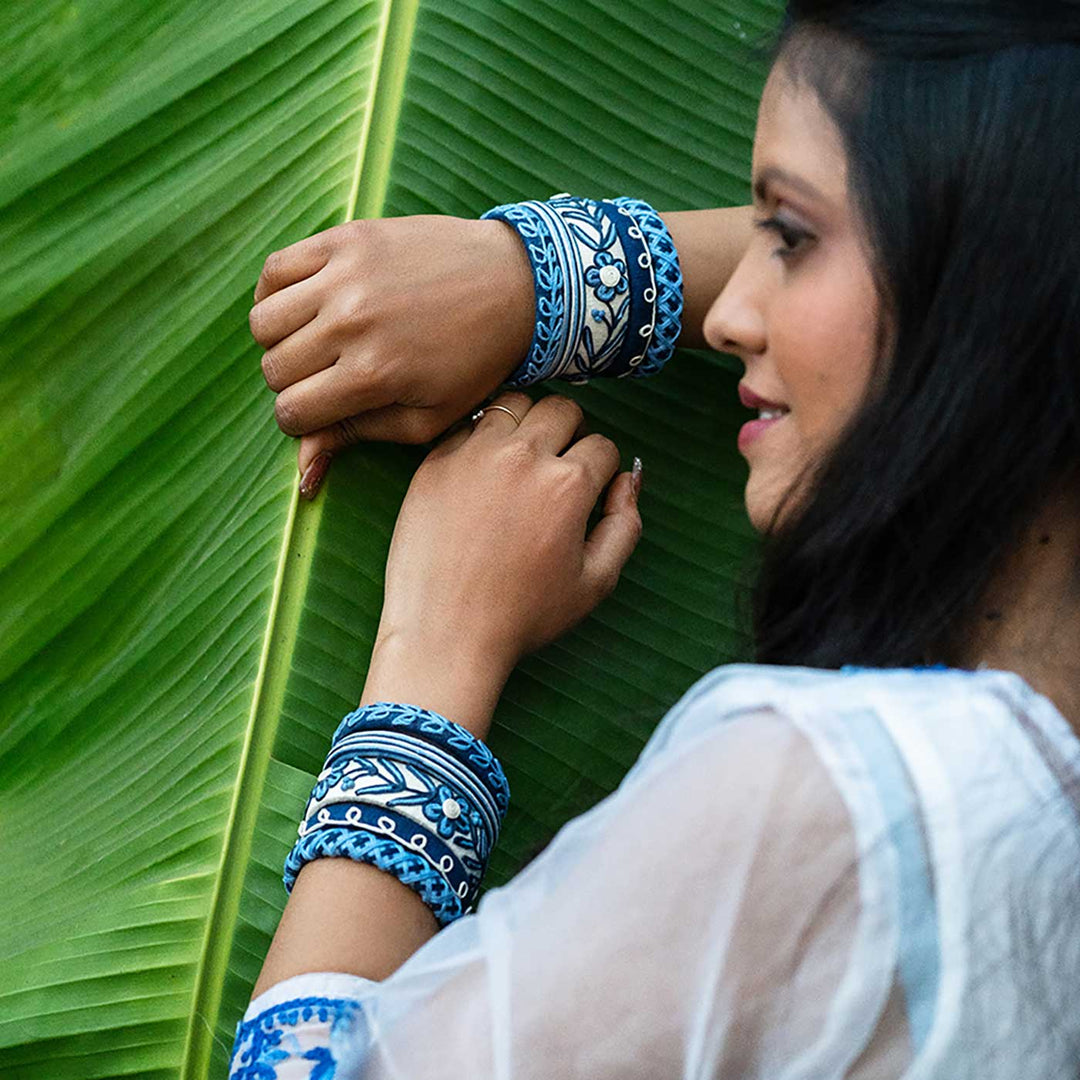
{"points": [[806, 874]]}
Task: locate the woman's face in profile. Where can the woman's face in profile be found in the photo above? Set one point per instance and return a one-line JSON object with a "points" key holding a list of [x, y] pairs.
{"points": [[801, 310]]}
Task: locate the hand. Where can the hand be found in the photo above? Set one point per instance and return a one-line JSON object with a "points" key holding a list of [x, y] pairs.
{"points": [[391, 329], [490, 558]]}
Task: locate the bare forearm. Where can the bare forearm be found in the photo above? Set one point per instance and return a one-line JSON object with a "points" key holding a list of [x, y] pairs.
{"points": [[710, 244], [346, 916]]}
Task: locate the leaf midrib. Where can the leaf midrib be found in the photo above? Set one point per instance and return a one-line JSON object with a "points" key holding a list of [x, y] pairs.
{"points": [[372, 170]]}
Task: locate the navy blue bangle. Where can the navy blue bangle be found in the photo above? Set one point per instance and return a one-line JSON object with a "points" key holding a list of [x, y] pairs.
{"points": [[433, 728], [607, 284], [668, 283], [412, 793]]}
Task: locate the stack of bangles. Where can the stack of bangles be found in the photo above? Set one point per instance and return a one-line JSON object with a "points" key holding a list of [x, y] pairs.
{"points": [[608, 287], [412, 793], [405, 789]]}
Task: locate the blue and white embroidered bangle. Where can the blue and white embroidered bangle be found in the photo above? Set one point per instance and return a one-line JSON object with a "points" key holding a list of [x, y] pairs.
{"points": [[401, 773], [607, 283], [410, 792]]}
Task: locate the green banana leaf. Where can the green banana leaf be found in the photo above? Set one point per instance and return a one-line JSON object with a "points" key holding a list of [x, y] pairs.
{"points": [[178, 636]]}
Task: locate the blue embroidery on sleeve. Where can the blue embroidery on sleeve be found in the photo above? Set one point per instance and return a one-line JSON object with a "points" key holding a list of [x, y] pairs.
{"points": [[264, 1043]]}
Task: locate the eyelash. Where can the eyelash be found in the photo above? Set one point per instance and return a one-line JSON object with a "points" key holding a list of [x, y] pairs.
{"points": [[792, 237]]}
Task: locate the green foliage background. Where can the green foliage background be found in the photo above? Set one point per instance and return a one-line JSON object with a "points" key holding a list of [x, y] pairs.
{"points": [[178, 637]]}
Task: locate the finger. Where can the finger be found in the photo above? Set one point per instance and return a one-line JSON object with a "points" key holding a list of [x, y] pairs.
{"points": [[453, 439], [301, 355], [495, 421], [292, 264], [326, 398], [285, 312], [600, 457], [611, 543], [552, 423], [393, 423]]}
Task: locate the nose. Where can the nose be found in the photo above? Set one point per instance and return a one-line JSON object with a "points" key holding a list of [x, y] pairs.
{"points": [[736, 323]]}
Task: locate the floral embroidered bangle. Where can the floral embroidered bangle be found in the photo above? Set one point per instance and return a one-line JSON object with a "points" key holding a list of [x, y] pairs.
{"points": [[608, 287], [412, 793]]}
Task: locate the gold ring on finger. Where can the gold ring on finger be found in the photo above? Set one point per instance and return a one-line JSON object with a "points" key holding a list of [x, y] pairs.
{"points": [[502, 408]]}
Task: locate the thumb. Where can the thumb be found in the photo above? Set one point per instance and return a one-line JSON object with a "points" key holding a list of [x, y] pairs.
{"points": [[615, 536], [326, 441], [391, 423]]}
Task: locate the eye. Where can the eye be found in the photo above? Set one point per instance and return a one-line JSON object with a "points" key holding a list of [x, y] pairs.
{"points": [[793, 237]]}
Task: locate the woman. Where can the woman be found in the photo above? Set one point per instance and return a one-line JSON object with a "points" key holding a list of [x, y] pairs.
{"points": [[809, 872]]}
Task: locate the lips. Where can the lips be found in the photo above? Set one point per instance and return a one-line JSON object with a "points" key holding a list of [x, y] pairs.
{"points": [[755, 401], [753, 430]]}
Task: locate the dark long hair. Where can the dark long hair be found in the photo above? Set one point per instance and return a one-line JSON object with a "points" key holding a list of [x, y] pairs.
{"points": [[961, 121]]}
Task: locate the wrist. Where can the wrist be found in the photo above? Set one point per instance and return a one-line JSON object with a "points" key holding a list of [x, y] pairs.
{"points": [[449, 677], [516, 291]]}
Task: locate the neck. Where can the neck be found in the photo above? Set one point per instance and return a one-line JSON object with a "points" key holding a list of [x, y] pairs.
{"points": [[1029, 621]]}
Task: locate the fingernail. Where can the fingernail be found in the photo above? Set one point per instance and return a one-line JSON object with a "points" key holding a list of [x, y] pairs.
{"points": [[635, 477], [312, 479]]}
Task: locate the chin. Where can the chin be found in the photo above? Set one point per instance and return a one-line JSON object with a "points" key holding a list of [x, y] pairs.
{"points": [[759, 513], [762, 502]]}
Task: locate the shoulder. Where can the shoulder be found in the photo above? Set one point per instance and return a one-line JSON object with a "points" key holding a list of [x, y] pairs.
{"points": [[934, 768], [734, 754], [828, 705], [889, 743], [736, 686]]}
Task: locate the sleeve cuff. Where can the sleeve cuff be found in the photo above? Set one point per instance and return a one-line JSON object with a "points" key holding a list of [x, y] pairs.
{"points": [[320, 984]]}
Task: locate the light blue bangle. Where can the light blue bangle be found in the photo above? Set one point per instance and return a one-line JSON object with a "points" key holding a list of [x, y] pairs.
{"points": [[607, 284], [412, 793], [384, 853]]}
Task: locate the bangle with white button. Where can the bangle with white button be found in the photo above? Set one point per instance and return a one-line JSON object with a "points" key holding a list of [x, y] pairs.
{"points": [[607, 284], [412, 793]]}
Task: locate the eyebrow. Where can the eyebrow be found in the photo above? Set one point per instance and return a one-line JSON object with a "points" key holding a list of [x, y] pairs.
{"points": [[772, 173]]}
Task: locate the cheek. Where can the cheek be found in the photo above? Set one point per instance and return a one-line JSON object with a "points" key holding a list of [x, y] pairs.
{"points": [[824, 345], [822, 340]]}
